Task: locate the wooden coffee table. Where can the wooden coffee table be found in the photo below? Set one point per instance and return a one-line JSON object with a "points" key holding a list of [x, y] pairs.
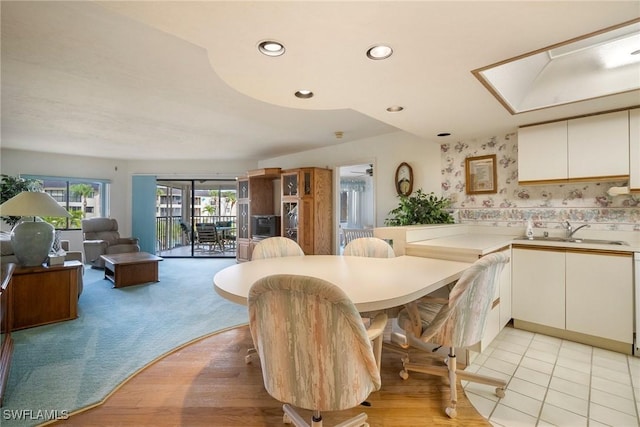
{"points": [[134, 268]]}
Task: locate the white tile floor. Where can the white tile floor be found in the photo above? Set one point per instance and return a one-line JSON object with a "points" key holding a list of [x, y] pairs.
{"points": [[554, 382]]}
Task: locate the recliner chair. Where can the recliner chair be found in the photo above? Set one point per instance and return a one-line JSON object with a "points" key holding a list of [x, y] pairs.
{"points": [[101, 237]]}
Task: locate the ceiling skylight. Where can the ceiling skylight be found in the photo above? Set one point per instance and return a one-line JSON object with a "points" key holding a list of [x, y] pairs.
{"points": [[598, 64]]}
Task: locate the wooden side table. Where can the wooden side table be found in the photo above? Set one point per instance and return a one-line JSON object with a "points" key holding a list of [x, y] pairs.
{"points": [[131, 268], [6, 342], [44, 294]]}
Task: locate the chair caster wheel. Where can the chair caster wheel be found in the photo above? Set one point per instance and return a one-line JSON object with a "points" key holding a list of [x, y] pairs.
{"points": [[451, 412], [404, 375], [500, 392], [247, 359]]}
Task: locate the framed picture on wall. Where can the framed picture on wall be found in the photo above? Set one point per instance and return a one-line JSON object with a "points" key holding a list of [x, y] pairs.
{"points": [[481, 175]]}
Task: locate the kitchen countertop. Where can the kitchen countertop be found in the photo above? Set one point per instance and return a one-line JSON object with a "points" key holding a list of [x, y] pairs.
{"points": [[630, 247], [470, 246], [463, 247]]}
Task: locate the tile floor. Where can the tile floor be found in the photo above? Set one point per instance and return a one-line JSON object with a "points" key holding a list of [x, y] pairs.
{"points": [[554, 382]]}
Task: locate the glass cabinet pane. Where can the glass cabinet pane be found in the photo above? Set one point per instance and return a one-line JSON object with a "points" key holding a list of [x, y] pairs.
{"points": [[290, 220], [243, 220], [290, 184], [243, 189], [308, 185]]}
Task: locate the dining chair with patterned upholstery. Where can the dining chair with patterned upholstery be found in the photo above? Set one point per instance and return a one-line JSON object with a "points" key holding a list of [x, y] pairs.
{"points": [[372, 247], [455, 322], [273, 247], [277, 246], [314, 351]]}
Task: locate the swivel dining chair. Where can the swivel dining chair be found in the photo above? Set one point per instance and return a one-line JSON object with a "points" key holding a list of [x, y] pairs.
{"points": [[314, 350], [277, 246], [371, 247], [456, 322], [273, 247]]}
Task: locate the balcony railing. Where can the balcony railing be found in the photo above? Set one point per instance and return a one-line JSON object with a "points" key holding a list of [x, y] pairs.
{"points": [[171, 234]]}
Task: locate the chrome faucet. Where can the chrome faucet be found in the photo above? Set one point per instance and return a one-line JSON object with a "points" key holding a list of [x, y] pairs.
{"points": [[571, 231]]}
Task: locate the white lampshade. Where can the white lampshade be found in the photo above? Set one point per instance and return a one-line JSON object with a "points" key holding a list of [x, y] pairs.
{"points": [[33, 203], [31, 241]]}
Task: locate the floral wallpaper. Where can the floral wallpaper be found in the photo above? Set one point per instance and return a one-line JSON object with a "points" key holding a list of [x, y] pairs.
{"points": [[547, 205]]}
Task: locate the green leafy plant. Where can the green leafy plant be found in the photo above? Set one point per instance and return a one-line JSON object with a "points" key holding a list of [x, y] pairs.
{"points": [[12, 186], [420, 208]]}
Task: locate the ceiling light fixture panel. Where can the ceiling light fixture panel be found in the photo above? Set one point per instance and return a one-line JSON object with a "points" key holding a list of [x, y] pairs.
{"points": [[271, 48], [379, 52], [304, 94], [395, 109]]}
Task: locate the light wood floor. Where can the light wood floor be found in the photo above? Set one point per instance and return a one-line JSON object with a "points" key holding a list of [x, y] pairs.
{"points": [[208, 384]]}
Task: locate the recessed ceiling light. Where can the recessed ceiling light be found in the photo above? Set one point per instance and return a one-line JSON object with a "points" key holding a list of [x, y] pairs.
{"points": [[271, 48], [444, 134], [379, 52], [395, 109], [304, 94]]}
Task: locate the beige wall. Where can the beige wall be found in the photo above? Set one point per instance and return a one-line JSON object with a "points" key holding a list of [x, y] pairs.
{"points": [[118, 171], [386, 152]]}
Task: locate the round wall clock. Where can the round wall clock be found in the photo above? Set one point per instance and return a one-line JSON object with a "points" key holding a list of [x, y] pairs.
{"points": [[404, 179]]}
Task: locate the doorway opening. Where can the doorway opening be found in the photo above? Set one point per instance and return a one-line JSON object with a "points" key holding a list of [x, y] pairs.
{"points": [[356, 207], [196, 218]]}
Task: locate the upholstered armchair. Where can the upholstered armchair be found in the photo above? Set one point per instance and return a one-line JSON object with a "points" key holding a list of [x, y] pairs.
{"points": [[101, 237]]}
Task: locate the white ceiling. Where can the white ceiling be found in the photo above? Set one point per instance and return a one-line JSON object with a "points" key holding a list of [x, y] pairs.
{"points": [[184, 80]]}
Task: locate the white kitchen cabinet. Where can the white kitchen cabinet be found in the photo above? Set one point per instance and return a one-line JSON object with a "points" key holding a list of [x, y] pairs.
{"points": [[583, 295], [599, 289], [538, 289], [593, 147], [542, 152], [634, 150], [598, 146], [500, 313]]}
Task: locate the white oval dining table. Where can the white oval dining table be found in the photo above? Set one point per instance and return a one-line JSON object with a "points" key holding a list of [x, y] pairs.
{"points": [[371, 283]]}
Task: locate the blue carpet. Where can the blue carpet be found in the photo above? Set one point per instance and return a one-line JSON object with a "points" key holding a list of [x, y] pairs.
{"points": [[66, 366]]}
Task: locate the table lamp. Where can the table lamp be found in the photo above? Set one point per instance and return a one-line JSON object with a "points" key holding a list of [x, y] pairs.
{"points": [[31, 240]]}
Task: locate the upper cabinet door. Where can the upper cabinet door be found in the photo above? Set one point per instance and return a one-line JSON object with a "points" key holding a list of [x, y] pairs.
{"points": [[599, 146], [542, 152], [634, 150]]}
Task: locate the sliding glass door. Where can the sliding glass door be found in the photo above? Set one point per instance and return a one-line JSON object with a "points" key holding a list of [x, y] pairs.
{"points": [[196, 218]]}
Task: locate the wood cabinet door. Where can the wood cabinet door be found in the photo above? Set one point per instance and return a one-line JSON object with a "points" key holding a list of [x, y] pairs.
{"points": [[599, 145], [542, 152], [600, 295], [538, 286]]}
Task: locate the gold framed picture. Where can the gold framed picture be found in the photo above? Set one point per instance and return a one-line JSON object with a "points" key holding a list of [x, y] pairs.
{"points": [[481, 174]]}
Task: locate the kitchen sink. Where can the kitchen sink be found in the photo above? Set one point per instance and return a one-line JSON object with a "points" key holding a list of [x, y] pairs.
{"points": [[577, 240]]}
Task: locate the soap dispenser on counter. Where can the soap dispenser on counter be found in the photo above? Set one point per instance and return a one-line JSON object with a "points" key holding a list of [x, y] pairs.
{"points": [[529, 230]]}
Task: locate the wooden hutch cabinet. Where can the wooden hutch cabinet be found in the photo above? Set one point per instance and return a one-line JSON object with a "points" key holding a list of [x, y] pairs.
{"points": [[255, 197], [306, 197]]}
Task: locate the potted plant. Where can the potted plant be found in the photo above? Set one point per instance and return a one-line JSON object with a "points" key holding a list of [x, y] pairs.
{"points": [[420, 208]]}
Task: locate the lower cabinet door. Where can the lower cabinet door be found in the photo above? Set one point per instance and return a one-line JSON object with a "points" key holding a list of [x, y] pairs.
{"points": [[538, 286], [600, 295]]}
